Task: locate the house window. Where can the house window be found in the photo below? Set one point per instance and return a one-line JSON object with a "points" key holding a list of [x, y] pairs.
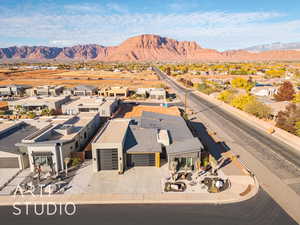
{"points": [[184, 162]]}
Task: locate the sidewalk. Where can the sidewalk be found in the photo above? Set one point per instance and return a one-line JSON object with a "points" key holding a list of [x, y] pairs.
{"points": [[159, 198]]}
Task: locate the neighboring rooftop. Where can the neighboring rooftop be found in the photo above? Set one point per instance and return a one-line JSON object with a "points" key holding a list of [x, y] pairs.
{"points": [[91, 101], [37, 101], [137, 111], [62, 130], [85, 88], [13, 132]]}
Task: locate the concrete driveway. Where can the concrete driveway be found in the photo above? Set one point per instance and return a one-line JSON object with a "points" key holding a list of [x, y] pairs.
{"points": [[138, 180]]}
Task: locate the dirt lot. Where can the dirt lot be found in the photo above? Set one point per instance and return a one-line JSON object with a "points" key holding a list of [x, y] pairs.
{"points": [[73, 78], [191, 76]]}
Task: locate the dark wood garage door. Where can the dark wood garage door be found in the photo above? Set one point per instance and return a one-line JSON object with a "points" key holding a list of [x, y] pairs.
{"points": [[140, 160], [9, 162], [107, 159]]}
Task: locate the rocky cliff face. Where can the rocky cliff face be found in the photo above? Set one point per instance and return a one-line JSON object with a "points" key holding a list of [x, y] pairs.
{"points": [[143, 48]]}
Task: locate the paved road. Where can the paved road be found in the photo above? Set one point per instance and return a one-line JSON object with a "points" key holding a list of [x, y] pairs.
{"points": [[279, 155], [274, 145], [275, 164], [267, 212]]}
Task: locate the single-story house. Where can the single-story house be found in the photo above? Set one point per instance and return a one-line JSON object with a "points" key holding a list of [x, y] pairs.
{"points": [[104, 106], [114, 92], [264, 91], [85, 90], [13, 90], [144, 141], [45, 90], [153, 93], [49, 146], [37, 104]]}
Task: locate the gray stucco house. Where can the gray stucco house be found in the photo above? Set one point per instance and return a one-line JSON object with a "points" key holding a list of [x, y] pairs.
{"points": [[145, 141]]}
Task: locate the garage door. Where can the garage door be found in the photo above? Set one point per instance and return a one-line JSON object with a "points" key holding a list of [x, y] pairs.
{"points": [[107, 159], [140, 160], [9, 162]]}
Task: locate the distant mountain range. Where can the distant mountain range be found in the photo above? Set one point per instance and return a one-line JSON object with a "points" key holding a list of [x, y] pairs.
{"points": [[145, 48], [275, 46]]}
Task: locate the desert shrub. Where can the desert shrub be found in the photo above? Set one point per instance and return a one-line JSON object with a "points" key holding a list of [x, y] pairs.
{"points": [[289, 119], [258, 109]]}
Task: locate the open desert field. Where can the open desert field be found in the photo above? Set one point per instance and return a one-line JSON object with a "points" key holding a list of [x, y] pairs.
{"points": [[73, 78], [192, 76]]}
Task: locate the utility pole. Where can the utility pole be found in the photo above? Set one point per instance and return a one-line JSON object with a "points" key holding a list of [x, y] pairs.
{"points": [[185, 101]]}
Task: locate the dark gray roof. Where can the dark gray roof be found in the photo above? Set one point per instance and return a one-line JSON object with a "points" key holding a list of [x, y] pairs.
{"points": [[182, 139], [13, 136], [141, 140], [185, 146], [176, 125], [85, 88]]}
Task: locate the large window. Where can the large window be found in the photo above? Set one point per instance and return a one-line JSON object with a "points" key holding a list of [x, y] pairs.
{"points": [[184, 162], [43, 161]]}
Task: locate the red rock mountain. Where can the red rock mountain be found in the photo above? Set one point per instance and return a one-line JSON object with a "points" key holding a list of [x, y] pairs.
{"points": [[143, 48]]}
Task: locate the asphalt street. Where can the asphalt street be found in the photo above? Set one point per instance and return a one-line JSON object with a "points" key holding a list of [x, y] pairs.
{"points": [[261, 141], [244, 213]]}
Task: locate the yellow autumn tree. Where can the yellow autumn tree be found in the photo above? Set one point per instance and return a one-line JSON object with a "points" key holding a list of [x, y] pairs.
{"points": [[240, 101], [242, 83]]}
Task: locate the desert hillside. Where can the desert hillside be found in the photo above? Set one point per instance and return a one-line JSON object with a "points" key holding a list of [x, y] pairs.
{"points": [[143, 48]]}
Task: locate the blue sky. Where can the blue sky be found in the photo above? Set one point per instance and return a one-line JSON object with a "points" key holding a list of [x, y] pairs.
{"points": [[218, 24]]}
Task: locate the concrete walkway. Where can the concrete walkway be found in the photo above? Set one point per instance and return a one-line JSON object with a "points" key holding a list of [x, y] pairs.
{"points": [[10, 187]]}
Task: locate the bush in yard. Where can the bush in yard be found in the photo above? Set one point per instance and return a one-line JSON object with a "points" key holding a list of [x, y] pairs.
{"points": [[285, 92], [31, 115], [75, 161], [241, 101], [258, 109]]}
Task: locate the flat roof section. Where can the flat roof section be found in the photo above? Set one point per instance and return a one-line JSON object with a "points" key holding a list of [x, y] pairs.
{"points": [[141, 140], [37, 101], [113, 132], [137, 111], [15, 135]]}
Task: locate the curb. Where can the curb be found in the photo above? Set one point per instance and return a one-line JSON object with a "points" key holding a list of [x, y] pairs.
{"points": [[162, 198]]}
